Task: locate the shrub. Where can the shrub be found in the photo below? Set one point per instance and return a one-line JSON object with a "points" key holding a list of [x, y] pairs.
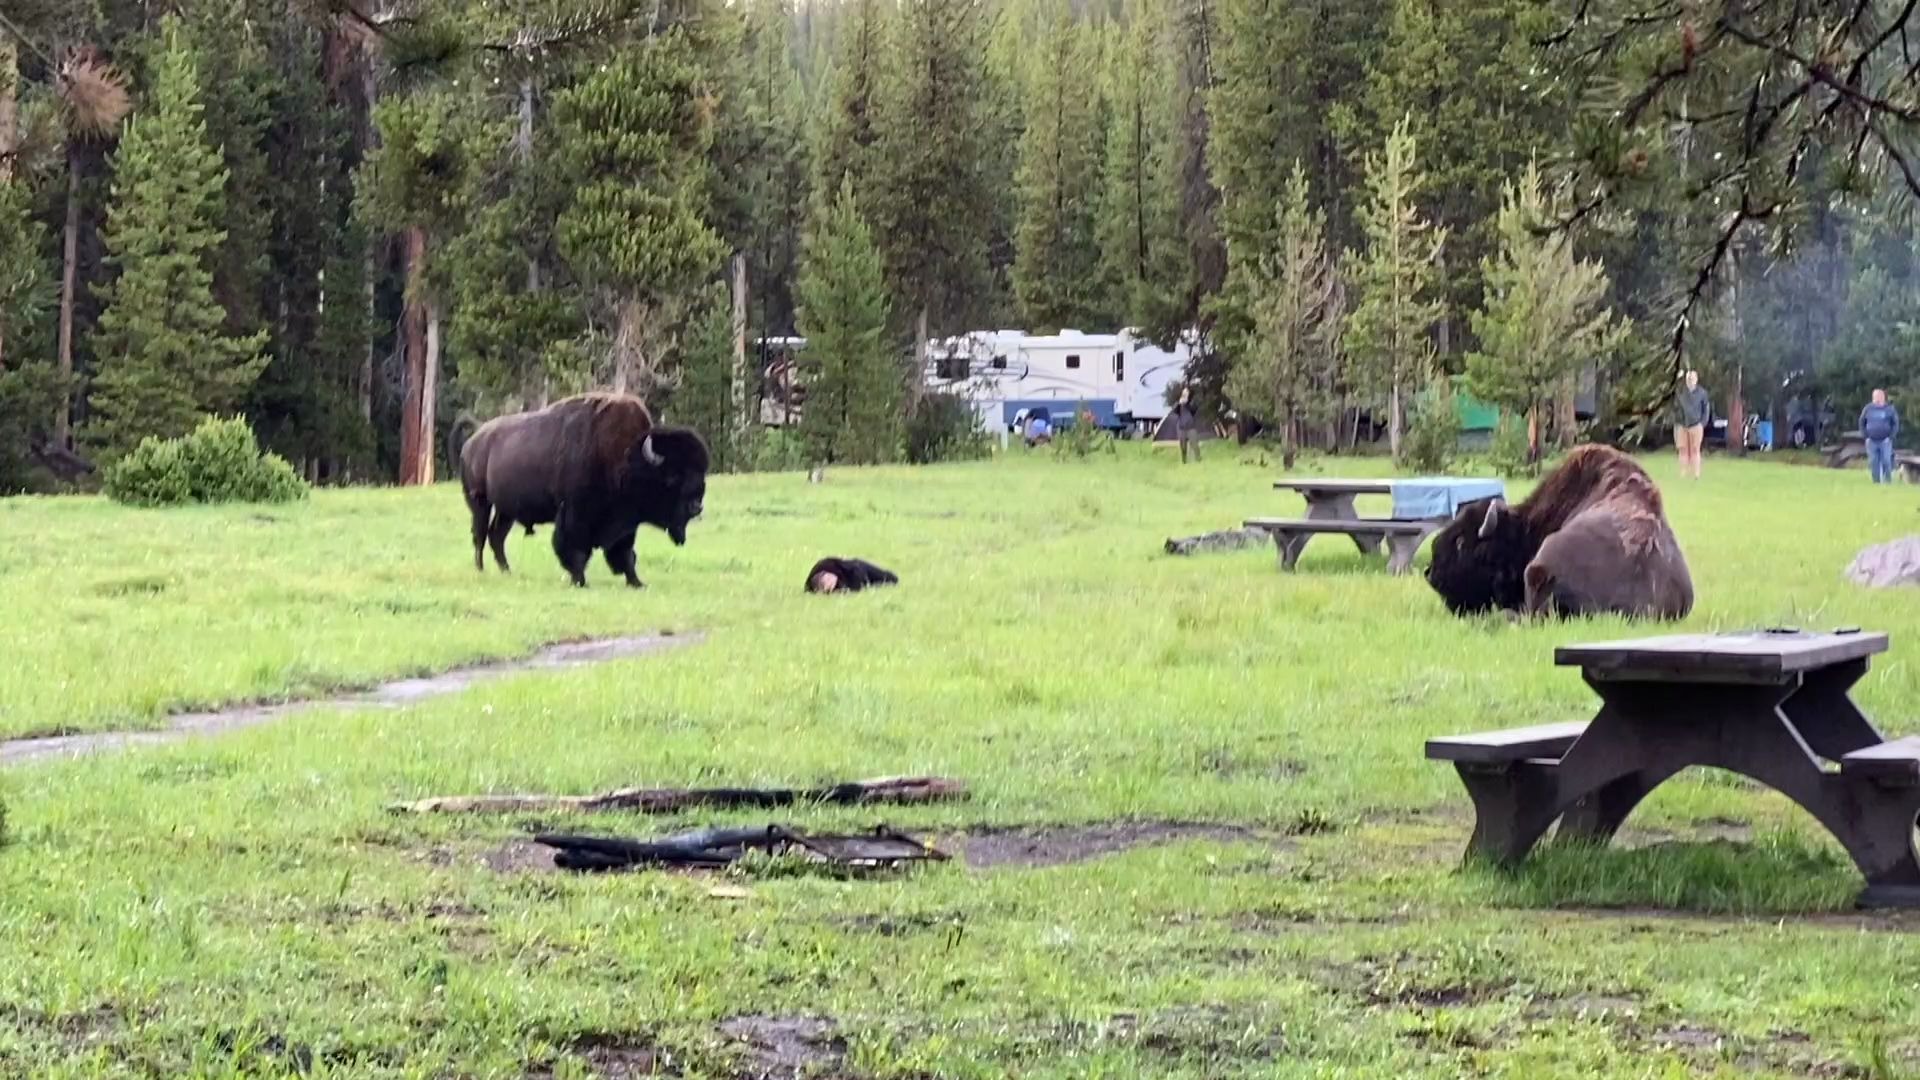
{"points": [[1083, 438], [944, 427], [1508, 451], [775, 450], [1434, 436], [219, 462]]}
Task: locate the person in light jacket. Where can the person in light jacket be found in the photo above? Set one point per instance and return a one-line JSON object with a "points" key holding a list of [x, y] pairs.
{"points": [[1880, 424], [1690, 426]]}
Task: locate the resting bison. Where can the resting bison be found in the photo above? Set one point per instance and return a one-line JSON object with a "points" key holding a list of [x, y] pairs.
{"points": [[1591, 539], [846, 575], [596, 467]]}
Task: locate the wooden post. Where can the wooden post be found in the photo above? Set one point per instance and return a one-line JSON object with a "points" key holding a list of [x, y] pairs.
{"points": [[737, 435]]}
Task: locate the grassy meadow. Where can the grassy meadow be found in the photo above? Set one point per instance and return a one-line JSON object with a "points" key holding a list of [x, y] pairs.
{"points": [[246, 906]]}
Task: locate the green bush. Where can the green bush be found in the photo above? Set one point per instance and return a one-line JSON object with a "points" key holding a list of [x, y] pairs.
{"points": [[1508, 451], [219, 462], [1083, 437], [1434, 435], [775, 450], [945, 427]]}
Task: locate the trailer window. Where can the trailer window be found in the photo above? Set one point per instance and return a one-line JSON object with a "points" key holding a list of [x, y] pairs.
{"points": [[1073, 363], [999, 363], [1119, 367]]}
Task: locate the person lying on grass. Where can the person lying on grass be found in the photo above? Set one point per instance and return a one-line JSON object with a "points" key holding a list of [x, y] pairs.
{"points": [[846, 575]]}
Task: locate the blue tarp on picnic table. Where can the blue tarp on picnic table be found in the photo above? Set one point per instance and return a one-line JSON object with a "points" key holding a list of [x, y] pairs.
{"points": [[1440, 496]]}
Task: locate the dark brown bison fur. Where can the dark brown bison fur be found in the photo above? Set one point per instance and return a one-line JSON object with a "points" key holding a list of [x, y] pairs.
{"points": [[1592, 539], [593, 465], [846, 575]]}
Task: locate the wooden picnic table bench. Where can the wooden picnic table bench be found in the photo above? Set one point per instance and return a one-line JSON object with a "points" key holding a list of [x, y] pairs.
{"points": [[1770, 705], [1403, 538], [1909, 465], [1330, 510]]}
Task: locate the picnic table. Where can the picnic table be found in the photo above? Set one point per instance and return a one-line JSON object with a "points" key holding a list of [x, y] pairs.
{"points": [[1422, 506], [1852, 447], [1770, 705]]}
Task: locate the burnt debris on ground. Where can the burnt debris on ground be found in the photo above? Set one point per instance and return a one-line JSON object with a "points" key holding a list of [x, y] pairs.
{"points": [[714, 848], [389, 695], [890, 789]]}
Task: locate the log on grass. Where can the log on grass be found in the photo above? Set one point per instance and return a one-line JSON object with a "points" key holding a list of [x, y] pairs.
{"points": [[892, 789]]}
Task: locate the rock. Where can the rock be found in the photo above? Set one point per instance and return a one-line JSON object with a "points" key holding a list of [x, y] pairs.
{"points": [[1883, 566]]}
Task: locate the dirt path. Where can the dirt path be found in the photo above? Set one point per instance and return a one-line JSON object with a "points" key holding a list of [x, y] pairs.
{"points": [[390, 695]]}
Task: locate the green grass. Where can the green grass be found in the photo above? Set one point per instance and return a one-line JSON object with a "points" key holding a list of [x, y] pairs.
{"points": [[244, 906]]}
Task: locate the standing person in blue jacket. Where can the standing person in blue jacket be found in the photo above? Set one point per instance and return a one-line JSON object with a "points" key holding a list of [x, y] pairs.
{"points": [[1880, 423]]}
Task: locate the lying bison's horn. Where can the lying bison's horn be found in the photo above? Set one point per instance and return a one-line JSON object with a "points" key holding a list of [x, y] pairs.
{"points": [[647, 453], [1492, 520]]}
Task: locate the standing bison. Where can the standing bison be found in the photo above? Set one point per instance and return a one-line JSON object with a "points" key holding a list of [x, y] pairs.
{"points": [[1592, 539], [593, 465]]}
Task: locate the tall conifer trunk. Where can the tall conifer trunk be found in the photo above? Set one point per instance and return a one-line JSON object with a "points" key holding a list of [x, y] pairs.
{"points": [[416, 452]]}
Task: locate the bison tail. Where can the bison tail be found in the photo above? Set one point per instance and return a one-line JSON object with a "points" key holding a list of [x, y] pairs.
{"points": [[458, 433]]}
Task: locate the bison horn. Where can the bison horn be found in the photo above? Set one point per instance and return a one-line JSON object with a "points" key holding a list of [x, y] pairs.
{"points": [[648, 455], [1492, 520]]}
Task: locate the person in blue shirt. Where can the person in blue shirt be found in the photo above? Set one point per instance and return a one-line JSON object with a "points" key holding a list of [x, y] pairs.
{"points": [[1039, 432], [1880, 424]]}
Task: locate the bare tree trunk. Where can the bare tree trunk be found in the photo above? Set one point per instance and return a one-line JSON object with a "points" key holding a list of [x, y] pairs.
{"points": [[69, 282], [737, 429], [366, 362], [9, 133], [430, 393], [1393, 423], [1737, 413], [1566, 420], [413, 322], [919, 384], [1533, 434], [626, 344]]}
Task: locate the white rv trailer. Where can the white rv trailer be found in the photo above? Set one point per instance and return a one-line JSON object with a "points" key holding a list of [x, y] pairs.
{"points": [[1119, 378]]}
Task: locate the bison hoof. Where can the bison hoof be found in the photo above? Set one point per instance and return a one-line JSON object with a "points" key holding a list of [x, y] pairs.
{"points": [[635, 583]]}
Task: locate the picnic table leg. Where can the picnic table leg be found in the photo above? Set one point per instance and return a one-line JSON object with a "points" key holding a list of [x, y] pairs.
{"points": [[1513, 806], [1402, 548], [1598, 816], [1826, 716], [1289, 545], [1883, 847], [1338, 506]]}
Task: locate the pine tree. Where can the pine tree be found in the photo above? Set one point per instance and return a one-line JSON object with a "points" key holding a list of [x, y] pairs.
{"points": [[165, 360], [1545, 311], [238, 86], [1056, 273], [843, 142], [932, 204], [702, 397], [1468, 78], [853, 410], [1288, 374], [634, 138], [760, 163], [1389, 336], [1149, 278], [413, 184]]}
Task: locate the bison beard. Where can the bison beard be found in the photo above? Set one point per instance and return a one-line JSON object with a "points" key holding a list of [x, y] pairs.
{"points": [[1592, 539], [595, 467], [846, 575]]}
